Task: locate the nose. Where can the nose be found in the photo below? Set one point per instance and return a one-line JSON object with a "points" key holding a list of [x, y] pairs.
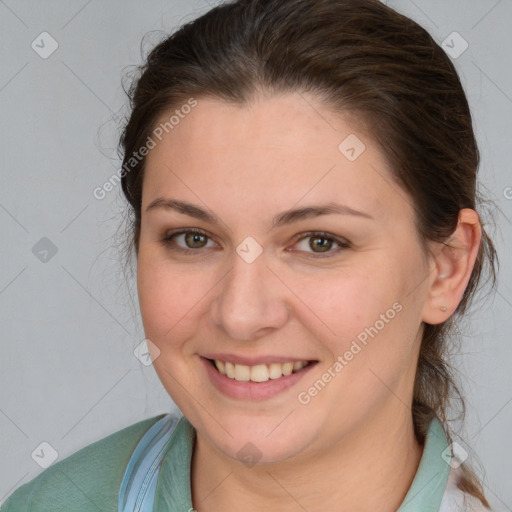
{"points": [[250, 302]]}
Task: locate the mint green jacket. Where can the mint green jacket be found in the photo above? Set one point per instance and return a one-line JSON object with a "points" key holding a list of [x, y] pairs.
{"points": [[89, 480]]}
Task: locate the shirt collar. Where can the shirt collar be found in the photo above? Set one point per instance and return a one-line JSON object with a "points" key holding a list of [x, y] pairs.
{"points": [[173, 491], [429, 484]]}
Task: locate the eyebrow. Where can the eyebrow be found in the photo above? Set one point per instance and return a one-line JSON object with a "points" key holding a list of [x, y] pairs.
{"points": [[281, 219]]}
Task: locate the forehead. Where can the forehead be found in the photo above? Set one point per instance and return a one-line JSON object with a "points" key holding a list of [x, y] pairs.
{"points": [[273, 152]]}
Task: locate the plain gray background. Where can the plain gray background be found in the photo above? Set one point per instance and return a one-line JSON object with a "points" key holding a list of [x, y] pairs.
{"points": [[70, 320]]}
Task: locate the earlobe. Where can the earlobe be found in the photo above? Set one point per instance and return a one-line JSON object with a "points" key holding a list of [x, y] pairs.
{"points": [[454, 262]]}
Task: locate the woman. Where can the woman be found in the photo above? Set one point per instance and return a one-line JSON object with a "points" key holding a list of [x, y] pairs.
{"points": [[301, 176]]}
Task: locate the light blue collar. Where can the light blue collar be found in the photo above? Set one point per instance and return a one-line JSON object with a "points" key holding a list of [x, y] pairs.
{"points": [[172, 489], [429, 484]]}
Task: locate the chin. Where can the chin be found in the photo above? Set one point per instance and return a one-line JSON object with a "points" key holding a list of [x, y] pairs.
{"points": [[262, 451], [257, 440]]}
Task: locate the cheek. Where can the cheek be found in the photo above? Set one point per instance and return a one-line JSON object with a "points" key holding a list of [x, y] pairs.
{"points": [[346, 301], [366, 317], [169, 295]]}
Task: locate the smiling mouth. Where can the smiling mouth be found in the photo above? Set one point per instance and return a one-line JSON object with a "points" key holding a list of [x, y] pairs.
{"points": [[259, 372]]}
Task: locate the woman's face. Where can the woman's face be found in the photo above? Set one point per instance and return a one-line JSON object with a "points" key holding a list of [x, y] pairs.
{"points": [[288, 242]]}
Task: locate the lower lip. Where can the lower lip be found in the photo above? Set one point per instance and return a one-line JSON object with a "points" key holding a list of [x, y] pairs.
{"points": [[254, 391]]}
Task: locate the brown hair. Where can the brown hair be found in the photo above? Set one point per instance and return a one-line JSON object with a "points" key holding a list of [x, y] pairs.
{"points": [[363, 59]]}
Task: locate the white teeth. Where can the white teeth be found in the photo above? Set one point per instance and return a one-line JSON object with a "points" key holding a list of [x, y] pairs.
{"points": [[275, 370], [287, 368], [259, 372], [230, 370], [220, 366], [242, 372]]}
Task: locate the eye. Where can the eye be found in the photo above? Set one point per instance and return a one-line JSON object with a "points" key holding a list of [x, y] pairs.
{"points": [[188, 240], [321, 243], [318, 243]]}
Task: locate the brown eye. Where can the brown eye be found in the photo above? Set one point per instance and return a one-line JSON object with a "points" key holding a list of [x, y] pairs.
{"points": [[188, 240], [195, 240], [320, 244]]}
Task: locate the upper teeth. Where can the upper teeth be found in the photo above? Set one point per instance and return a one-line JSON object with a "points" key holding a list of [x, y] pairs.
{"points": [[258, 372]]}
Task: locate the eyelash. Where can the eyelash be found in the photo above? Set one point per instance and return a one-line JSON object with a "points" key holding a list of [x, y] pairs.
{"points": [[168, 242]]}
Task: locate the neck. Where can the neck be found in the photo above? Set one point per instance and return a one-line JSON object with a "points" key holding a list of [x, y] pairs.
{"points": [[370, 469]]}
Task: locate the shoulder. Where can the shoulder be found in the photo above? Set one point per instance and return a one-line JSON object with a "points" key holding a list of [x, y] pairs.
{"points": [[456, 500], [87, 480]]}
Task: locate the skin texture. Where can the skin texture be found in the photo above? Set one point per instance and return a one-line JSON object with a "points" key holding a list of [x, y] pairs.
{"points": [[246, 165]]}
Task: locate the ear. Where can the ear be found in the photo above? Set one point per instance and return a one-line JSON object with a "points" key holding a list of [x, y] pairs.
{"points": [[453, 263]]}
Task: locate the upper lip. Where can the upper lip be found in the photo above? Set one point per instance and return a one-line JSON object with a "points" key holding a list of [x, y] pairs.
{"points": [[254, 360]]}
